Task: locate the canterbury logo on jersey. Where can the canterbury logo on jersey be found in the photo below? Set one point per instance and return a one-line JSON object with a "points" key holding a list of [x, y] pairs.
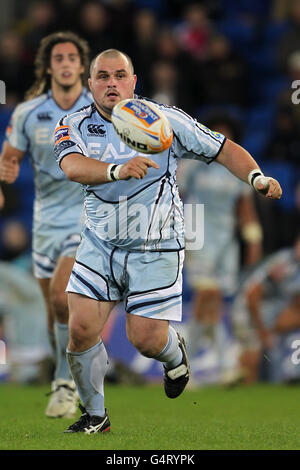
{"points": [[95, 129]]}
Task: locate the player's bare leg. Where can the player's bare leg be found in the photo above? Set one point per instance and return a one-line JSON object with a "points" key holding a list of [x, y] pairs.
{"points": [[208, 305], [206, 321], [249, 362], [64, 397], [45, 288], [58, 286], [157, 339]]}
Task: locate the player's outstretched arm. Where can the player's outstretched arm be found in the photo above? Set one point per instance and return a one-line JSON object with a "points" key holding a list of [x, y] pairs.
{"points": [[10, 159], [240, 163], [85, 170]]}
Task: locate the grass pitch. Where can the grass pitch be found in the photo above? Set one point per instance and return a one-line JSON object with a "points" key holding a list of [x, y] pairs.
{"points": [[259, 417]]}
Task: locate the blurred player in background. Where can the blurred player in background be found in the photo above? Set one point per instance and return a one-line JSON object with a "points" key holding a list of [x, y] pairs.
{"points": [[265, 315], [213, 272], [60, 69], [143, 271]]}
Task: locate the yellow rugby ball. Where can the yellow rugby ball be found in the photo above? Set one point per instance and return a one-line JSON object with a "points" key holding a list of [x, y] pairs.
{"points": [[142, 126]]}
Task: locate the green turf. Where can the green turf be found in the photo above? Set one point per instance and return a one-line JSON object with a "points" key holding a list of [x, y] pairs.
{"points": [[255, 418]]}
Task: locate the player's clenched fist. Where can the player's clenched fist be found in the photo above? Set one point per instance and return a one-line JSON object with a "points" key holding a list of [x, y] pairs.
{"points": [[265, 185], [9, 170], [269, 187], [137, 168]]}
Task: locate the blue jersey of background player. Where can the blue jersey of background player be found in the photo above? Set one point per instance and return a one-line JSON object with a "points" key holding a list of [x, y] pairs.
{"points": [[60, 68], [108, 270], [58, 201]]}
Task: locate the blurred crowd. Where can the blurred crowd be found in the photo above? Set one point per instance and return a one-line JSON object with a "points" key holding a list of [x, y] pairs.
{"points": [[238, 60]]}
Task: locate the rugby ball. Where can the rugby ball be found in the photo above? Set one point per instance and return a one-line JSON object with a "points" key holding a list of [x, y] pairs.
{"points": [[142, 126]]}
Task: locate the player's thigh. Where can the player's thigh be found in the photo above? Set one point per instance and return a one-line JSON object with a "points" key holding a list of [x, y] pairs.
{"points": [[61, 275], [148, 335], [87, 316], [45, 288]]}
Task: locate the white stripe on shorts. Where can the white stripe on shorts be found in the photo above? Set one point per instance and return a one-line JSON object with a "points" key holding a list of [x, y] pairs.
{"points": [[86, 282], [43, 266], [93, 278]]}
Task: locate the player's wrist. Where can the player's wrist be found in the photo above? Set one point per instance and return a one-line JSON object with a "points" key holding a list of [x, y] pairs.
{"points": [[256, 178], [253, 176], [113, 172]]}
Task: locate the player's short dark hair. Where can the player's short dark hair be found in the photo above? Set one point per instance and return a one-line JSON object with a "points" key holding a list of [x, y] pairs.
{"points": [[42, 60]]}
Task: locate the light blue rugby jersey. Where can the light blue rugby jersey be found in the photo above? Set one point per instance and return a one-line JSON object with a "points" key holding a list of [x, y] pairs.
{"points": [[287, 277], [278, 290], [58, 201], [135, 214]]}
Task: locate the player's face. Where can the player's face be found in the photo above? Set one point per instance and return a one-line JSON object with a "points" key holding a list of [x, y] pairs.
{"points": [[65, 64], [111, 81]]}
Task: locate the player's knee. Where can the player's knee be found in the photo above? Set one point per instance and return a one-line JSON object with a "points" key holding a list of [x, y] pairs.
{"points": [[148, 345], [79, 333], [147, 335], [146, 348]]}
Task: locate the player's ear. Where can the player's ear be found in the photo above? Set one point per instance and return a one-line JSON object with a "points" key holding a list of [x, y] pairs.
{"points": [[90, 83], [135, 80]]}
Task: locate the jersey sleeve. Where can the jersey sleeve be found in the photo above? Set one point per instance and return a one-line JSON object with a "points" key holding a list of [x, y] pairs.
{"points": [[15, 132], [192, 139], [68, 138]]}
